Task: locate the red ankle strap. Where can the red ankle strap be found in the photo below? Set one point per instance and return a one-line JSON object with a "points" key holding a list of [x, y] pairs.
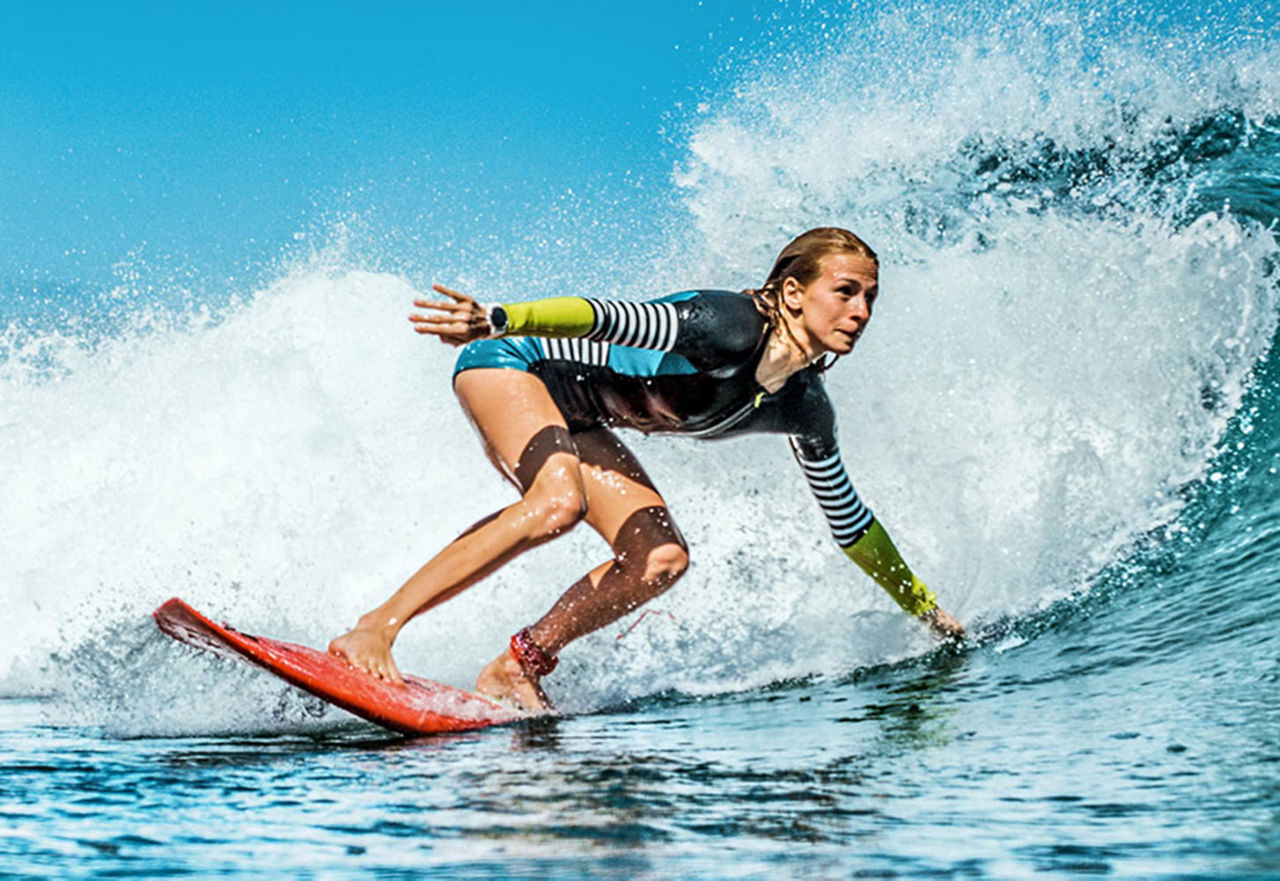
{"points": [[533, 660]]}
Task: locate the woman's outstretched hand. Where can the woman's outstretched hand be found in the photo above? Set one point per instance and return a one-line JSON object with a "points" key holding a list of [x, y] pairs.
{"points": [[456, 322], [944, 626]]}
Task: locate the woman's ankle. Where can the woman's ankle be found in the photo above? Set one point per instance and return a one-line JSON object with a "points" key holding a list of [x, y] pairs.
{"points": [[380, 622]]}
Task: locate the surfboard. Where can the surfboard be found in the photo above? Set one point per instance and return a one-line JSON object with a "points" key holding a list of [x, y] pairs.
{"points": [[418, 706]]}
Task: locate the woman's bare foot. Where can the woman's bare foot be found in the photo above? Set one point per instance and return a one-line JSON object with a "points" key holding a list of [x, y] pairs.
{"points": [[505, 680], [944, 626], [368, 649]]}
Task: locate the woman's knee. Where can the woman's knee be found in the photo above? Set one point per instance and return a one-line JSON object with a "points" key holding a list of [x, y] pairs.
{"points": [[666, 563], [650, 542], [554, 506]]}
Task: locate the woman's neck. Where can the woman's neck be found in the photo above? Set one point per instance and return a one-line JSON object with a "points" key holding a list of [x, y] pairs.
{"points": [[783, 356]]}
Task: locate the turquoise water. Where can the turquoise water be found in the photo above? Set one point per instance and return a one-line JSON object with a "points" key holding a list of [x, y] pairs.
{"points": [[1065, 411], [1062, 756]]}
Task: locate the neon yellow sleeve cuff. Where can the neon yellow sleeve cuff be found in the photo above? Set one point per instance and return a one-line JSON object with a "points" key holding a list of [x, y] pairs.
{"points": [[552, 317], [877, 556]]}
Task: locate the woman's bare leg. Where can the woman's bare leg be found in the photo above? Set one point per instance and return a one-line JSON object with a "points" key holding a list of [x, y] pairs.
{"points": [[526, 436], [649, 555]]}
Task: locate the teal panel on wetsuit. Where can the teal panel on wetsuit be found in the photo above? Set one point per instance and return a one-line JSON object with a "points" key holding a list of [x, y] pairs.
{"points": [[647, 362], [677, 297], [518, 353]]}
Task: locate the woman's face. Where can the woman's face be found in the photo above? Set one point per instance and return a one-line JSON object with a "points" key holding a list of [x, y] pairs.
{"points": [[835, 307]]}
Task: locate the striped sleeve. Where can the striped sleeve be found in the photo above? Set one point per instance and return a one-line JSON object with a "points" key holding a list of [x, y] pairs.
{"points": [[652, 325], [639, 325], [848, 518]]}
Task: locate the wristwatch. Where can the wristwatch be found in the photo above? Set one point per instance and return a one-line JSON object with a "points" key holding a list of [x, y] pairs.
{"points": [[497, 319]]}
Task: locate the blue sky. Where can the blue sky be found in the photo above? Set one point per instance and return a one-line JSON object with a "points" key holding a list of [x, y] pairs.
{"points": [[206, 137]]}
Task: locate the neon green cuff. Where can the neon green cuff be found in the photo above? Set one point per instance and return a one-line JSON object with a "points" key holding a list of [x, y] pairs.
{"points": [[877, 556], [552, 317]]}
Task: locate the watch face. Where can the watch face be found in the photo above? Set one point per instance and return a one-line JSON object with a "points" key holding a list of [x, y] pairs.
{"points": [[498, 319]]}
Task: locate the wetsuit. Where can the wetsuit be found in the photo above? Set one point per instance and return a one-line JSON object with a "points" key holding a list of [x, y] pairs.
{"points": [[686, 364]]}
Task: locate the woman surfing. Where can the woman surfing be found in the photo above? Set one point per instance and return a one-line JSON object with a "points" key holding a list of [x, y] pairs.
{"points": [[546, 382]]}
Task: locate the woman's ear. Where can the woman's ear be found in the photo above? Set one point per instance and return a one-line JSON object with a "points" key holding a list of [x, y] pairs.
{"points": [[791, 291]]}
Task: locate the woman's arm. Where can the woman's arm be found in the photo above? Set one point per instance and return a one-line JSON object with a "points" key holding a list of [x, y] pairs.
{"points": [[651, 325], [712, 329], [876, 555], [865, 541]]}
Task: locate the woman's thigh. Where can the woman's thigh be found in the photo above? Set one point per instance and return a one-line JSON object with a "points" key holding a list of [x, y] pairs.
{"points": [[617, 487], [523, 431]]}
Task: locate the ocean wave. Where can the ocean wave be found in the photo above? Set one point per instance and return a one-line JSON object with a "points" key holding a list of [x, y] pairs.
{"points": [[1079, 285]]}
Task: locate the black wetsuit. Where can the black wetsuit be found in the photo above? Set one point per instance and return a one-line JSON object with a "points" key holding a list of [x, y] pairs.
{"points": [[683, 364]]}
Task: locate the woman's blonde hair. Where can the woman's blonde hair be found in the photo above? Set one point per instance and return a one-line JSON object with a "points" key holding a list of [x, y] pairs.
{"points": [[802, 260]]}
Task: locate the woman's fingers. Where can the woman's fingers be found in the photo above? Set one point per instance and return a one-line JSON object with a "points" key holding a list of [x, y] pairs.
{"points": [[440, 327], [457, 295], [454, 333], [443, 306], [455, 321], [944, 626], [441, 323], [438, 319]]}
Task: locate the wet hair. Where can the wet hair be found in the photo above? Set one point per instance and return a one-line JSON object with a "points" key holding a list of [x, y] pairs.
{"points": [[802, 260]]}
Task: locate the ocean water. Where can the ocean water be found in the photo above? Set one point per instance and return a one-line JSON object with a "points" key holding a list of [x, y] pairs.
{"points": [[1065, 412]]}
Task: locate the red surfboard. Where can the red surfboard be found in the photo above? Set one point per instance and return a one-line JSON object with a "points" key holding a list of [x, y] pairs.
{"points": [[419, 706]]}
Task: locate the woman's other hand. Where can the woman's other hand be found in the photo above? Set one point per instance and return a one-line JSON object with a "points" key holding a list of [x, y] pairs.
{"points": [[944, 626], [456, 321]]}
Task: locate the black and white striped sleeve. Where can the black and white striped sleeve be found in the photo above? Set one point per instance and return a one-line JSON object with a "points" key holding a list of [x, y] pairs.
{"points": [[847, 516], [713, 329], [639, 325]]}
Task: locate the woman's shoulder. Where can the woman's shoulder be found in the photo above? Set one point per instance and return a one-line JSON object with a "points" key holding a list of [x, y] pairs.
{"points": [[808, 389], [712, 298], [808, 407], [725, 326]]}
